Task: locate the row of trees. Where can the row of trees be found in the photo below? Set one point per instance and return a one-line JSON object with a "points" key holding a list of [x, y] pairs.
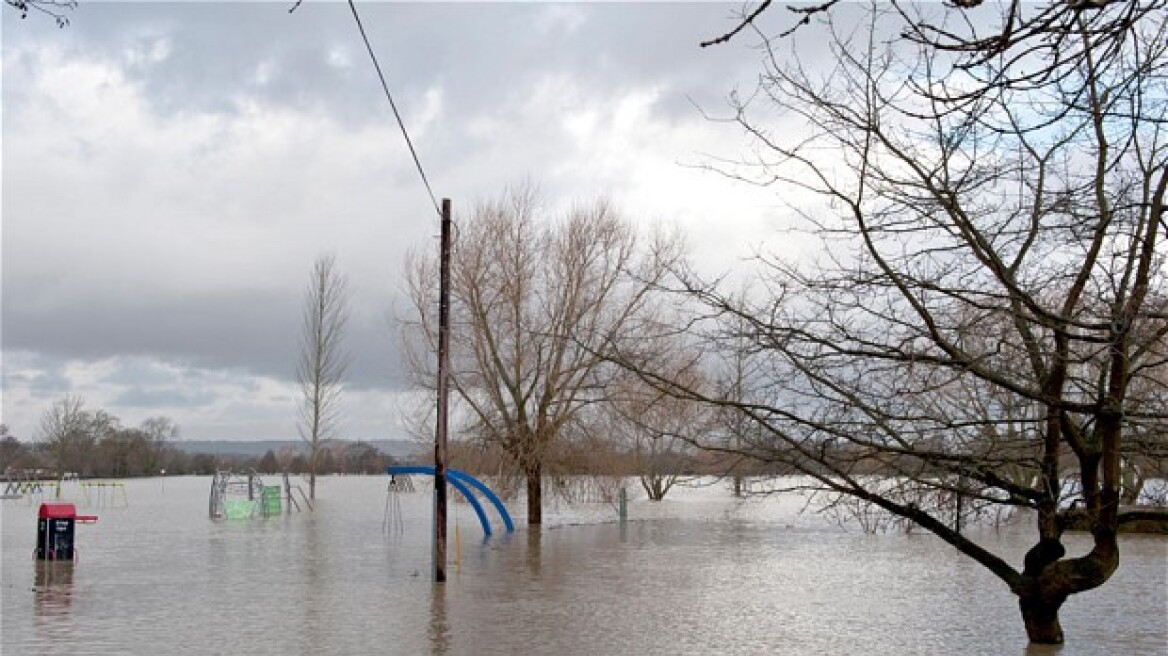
{"points": [[74, 440], [548, 367], [111, 457], [84, 442], [332, 457]]}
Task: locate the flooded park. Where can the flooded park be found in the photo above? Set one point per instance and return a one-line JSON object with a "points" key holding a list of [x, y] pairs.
{"points": [[698, 573]]}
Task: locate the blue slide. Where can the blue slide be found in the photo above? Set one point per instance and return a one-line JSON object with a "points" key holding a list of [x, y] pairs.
{"points": [[460, 480]]}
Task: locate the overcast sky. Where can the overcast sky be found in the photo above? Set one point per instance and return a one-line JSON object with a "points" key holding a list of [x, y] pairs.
{"points": [[171, 171]]}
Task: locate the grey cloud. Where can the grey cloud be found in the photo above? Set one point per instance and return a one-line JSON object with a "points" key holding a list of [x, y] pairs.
{"points": [[486, 57], [141, 397], [196, 59], [254, 332], [138, 370], [481, 54], [40, 374]]}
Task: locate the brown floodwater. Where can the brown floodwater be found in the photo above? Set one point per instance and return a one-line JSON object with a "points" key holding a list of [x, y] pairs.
{"points": [[700, 573]]}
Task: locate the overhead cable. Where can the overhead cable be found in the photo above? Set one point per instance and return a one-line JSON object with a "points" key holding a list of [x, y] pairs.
{"points": [[401, 124]]}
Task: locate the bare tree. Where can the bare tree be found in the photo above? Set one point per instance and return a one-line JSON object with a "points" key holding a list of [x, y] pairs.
{"points": [[1145, 451], [70, 433], [15, 456], [992, 223], [157, 431], [738, 377], [659, 427], [160, 429], [323, 360], [534, 303]]}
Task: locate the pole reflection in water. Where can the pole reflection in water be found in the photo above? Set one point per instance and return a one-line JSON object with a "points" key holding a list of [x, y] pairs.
{"points": [[53, 588], [534, 554], [316, 595], [1042, 650], [439, 628]]}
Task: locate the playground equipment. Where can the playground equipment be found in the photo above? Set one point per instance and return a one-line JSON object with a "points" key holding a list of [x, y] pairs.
{"points": [[391, 519], [244, 495], [235, 496], [17, 485], [55, 530], [99, 494], [460, 480], [102, 494]]}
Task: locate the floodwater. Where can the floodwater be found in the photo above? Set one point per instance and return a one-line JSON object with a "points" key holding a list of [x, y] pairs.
{"points": [[700, 573]]}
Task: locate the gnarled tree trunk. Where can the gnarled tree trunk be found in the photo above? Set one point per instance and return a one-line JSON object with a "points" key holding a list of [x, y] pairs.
{"points": [[1047, 581]]}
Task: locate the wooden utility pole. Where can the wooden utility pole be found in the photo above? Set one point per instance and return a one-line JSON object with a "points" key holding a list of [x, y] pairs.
{"points": [[443, 399]]}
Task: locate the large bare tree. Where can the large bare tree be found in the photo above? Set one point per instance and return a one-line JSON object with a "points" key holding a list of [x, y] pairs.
{"points": [[71, 432], [323, 359], [991, 286], [535, 300]]}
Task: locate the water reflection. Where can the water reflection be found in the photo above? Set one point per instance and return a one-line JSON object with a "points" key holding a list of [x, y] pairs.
{"points": [[1042, 650], [534, 554], [439, 631], [53, 587], [316, 589]]}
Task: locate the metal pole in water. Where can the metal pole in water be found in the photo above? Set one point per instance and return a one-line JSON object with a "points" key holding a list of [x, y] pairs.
{"points": [[443, 399]]}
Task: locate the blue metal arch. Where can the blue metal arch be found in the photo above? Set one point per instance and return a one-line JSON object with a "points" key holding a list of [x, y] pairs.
{"points": [[459, 480], [491, 496]]}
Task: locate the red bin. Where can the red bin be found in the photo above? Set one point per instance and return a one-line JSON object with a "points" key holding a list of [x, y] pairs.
{"points": [[56, 523]]}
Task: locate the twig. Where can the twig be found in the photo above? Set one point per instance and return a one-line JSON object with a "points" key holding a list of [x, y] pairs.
{"points": [[730, 35]]}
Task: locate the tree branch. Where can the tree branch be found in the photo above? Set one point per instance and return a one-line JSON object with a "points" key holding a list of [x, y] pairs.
{"points": [[746, 21]]}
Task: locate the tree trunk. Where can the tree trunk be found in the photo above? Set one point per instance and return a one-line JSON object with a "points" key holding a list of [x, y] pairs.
{"points": [[1048, 579], [1041, 620], [534, 495], [652, 487], [313, 465]]}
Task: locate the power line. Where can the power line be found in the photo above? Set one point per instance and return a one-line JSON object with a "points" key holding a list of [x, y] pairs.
{"points": [[401, 124]]}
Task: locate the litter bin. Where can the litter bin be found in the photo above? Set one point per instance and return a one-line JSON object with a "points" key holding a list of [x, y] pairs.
{"points": [[56, 524], [271, 500]]}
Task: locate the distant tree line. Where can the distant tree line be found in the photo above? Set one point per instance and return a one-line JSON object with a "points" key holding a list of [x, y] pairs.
{"points": [[333, 457], [74, 440]]}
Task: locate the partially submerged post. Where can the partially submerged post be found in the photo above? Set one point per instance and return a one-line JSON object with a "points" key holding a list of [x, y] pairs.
{"points": [[623, 512]]}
